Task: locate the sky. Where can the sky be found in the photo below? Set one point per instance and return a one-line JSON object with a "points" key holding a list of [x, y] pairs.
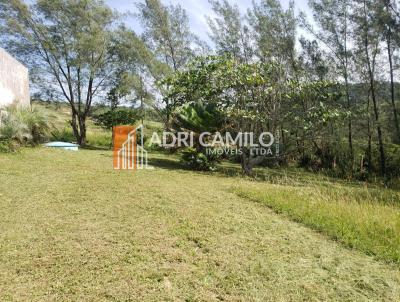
{"points": [[197, 11]]}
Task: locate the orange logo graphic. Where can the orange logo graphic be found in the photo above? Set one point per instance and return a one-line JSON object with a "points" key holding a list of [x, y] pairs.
{"points": [[129, 153]]}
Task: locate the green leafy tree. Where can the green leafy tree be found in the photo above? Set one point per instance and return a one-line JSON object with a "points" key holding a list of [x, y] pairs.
{"points": [[71, 45], [332, 17], [313, 61], [275, 33], [199, 117], [229, 31], [367, 48], [122, 87], [389, 25], [167, 34], [246, 93], [142, 95], [250, 98], [111, 118], [116, 117]]}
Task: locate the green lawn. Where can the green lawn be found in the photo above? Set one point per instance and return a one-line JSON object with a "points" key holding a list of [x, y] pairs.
{"points": [[72, 229]]}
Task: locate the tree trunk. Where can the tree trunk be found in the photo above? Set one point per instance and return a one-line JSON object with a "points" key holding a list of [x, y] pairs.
{"points": [[376, 114], [350, 131], [369, 150], [248, 161], [392, 95], [82, 128], [247, 169], [346, 78], [374, 99], [78, 124], [74, 125]]}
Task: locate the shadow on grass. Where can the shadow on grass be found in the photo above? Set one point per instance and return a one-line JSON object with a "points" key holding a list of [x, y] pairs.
{"points": [[168, 164], [95, 148], [279, 176], [174, 164]]}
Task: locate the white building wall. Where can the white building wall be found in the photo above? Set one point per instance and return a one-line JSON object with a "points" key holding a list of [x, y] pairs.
{"points": [[14, 81]]}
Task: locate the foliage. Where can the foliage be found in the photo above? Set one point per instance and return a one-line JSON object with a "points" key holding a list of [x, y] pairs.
{"points": [[274, 30], [71, 45], [167, 32], [256, 97], [111, 118], [121, 88], [197, 160], [198, 117], [229, 32]]}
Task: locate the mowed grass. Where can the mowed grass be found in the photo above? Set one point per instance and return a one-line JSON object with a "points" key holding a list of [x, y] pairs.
{"points": [[73, 229]]}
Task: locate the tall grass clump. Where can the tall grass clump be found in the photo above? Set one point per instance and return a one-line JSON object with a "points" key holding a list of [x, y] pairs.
{"points": [[21, 127], [367, 219], [65, 134], [101, 139]]}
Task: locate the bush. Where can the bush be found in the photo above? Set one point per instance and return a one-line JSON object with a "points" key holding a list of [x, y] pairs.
{"points": [[196, 160], [37, 125], [21, 127], [120, 116]]}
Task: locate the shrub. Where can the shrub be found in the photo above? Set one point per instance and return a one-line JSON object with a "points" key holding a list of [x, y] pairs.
{"points": [[196, 160], [22, 127], [120, 116], [37, 125]]}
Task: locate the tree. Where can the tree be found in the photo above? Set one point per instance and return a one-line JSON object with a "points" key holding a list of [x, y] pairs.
{"points": [[248, 98], [70, 43], [167, 34], [315, 115], [229, 31], [122, 87], [389, 26], [111, 118], [275, 33], [198, 118], [115, 117], [368, 47], [333, 19], [247, 93], [313, 61], [142, 95]]}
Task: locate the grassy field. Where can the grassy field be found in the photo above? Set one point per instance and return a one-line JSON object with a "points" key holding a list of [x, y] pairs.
{"points": [[367, 219], [72, 229]]}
